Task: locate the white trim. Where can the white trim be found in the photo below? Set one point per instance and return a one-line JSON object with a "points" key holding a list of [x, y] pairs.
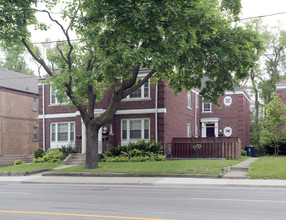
{"points": [[140, 111], [57, 143], [99, 111], [238, 92], [280, 86], [136, 99], [205, 120], [63, 115]]}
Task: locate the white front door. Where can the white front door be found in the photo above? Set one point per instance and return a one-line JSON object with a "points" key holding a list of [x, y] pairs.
{"points": [[83, 140]]}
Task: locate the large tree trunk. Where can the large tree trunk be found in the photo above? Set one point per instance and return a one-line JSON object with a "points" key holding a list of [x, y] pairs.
{"points": [[91, 158]]}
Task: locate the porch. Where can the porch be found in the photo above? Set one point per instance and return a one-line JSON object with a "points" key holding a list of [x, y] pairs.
{"points": [[214, 147]]}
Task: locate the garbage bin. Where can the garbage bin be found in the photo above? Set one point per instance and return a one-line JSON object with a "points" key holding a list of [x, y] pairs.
{"points": [[249, 151]]}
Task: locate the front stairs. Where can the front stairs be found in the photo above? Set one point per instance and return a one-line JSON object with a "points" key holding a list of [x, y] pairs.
{"points": [[74, 159]]}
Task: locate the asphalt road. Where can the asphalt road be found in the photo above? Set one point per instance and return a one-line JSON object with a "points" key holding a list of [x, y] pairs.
{"points": [[38, 201]]}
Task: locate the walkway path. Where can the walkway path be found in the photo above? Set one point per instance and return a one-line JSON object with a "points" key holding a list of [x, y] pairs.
{"points": [[240, 171]]}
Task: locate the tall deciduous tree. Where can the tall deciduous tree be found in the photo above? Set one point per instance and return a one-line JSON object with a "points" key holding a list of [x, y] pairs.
{"points": [[182, 41], [274, 124]]}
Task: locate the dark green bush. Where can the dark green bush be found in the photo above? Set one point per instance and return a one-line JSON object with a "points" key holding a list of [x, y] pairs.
{"points": [[66, 150], [39, 153], [243, 152], [134, 152]]}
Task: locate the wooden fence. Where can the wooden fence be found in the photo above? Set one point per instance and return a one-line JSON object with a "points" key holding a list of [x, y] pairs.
{"points": [[210, 148]]}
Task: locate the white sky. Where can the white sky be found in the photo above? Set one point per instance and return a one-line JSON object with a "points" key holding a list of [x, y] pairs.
{"points": [[250, 8]]}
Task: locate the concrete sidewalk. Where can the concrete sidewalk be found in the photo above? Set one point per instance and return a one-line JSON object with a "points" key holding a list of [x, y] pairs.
{"points": [[156, 181]]}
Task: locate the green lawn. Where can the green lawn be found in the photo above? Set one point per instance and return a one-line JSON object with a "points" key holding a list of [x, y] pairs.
{"points": [[29, 167], [162, 167], [268, 168]]}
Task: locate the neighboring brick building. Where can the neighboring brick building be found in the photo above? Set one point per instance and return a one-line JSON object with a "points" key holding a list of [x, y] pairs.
{"points": [[18, 113], [151, 113]]}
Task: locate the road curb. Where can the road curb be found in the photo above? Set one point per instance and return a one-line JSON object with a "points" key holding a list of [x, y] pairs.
{"points": [[86, 174], [24, 173]]}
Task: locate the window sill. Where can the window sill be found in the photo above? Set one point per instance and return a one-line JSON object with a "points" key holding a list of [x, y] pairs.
{"points": [[208, 112], [189, 108], [135, 99], [61, 104]]}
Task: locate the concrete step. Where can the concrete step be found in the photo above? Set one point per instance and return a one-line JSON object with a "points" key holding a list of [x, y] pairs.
{"points": [[242, 169], [236, 175], [74, 163]]}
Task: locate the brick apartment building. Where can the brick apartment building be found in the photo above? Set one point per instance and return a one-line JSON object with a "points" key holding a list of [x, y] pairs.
{"points": [[18, 113], [152, 112]]}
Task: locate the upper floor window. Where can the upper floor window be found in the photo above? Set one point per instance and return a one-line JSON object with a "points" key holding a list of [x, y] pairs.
{"points": [[189, 98], [53, 98], [207, 107], [135, 129], [35, 104], [141, 93]]}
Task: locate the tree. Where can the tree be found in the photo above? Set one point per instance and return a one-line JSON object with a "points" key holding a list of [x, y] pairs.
{"points": [[15, 61], [273, 126], [182, 41]]}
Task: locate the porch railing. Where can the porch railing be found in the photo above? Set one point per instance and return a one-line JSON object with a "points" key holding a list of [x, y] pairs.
{"points": [[210, 148]]}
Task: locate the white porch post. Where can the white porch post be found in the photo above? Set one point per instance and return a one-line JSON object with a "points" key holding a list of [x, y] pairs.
{"points": [[204, 133], [216, 129]]}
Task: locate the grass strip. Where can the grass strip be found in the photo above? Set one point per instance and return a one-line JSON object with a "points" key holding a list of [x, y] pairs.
{"points": [[160, 167], [270, 167], [29, 167]]}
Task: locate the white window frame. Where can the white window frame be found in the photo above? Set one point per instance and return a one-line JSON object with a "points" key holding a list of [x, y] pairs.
{"points": [[189, 130], [189, 100], [35, 104], [57, 102], [70, 140], [204, 109], [128, 98], [131, 140], [35, 134]]}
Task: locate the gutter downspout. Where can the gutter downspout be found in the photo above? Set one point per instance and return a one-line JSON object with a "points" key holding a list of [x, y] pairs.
{"points": [[196, 115], [156, 114], [44, 125]]}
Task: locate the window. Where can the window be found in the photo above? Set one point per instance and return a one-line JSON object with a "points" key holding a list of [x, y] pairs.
{"points": [[35, 134], [135, 129], [141, 93], [54, 100], [35, 104], [63, 132], [189, 97], [189, 130], [207, 107]]}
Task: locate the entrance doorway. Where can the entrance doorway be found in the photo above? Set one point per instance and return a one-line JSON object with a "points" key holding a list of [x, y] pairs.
{"points": [[210, 130]]}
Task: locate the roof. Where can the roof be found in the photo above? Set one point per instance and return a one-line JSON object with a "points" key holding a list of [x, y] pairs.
{"points": [[18, 81]]}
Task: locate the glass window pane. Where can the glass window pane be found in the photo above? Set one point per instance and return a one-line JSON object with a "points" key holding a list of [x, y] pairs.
{"points": [[62, 132], [124, 130], [72, 131], [53, 132], [146, 89], [135, 129], [136, 94], [146, 129]]}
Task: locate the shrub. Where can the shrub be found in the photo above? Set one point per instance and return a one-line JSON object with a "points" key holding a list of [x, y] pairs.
{"points": [[39, 153], [66, 150], [18, 162], [52, 155], [197, 148], [243, 152]]}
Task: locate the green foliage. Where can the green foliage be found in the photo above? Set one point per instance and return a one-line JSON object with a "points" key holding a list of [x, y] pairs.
{"points": [[18, 162], [197, 149], [243, 152], [274, 124], [135, 152], [66, 150], [52, 156], [39, 153]]}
